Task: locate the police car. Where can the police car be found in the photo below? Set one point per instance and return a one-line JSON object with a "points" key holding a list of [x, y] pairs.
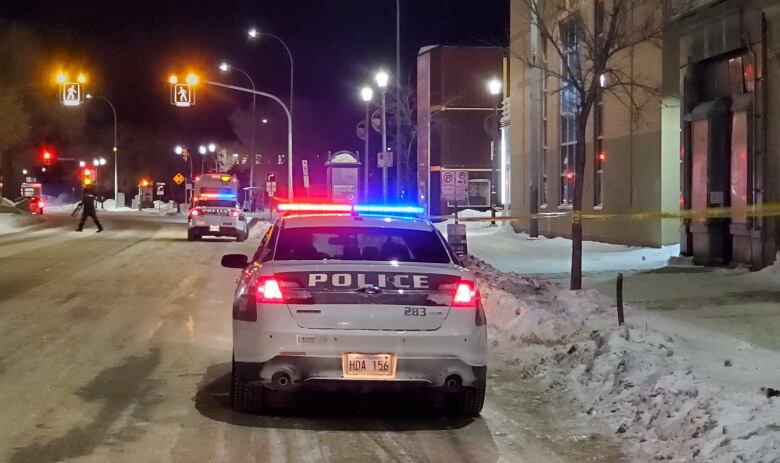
{"points": [[215, 210], [338, 296]]}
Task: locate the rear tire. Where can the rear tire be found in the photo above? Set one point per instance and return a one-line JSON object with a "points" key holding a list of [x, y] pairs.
{"points": [[241, 237], [192, 235], [468, 402], [245, 397]]}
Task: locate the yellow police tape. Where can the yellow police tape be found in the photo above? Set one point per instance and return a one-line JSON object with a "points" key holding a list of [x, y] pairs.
{"points": [[763, 210]]}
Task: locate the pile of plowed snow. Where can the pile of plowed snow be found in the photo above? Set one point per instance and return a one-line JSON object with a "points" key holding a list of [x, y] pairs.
{"points": [[629, 376]]}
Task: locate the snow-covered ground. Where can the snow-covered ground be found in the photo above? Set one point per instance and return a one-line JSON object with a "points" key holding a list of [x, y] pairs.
{"points": [[10, 222], [681, 381], [649, 386]]}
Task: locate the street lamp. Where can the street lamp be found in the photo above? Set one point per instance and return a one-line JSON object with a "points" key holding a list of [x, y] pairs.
{"points": [[382, 79], [24, 171], [253, 33], [212, 147], [494, 88], [115, 149], [202, 149], [226, 67], [82, 164], [367, 94]]}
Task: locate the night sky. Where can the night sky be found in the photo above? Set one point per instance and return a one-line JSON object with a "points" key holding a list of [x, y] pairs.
{"points": [[131, 46]]}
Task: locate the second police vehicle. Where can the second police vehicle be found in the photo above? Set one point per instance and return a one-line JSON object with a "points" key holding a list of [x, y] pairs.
{"points": [[215, 210], [341, 295]]}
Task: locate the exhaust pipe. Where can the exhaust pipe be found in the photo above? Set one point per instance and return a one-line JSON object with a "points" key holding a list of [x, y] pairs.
{"points": [[281, 380], [453, 383]]}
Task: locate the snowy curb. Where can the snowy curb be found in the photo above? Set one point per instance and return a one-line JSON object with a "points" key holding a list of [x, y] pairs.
{"points": [[628, 376]]}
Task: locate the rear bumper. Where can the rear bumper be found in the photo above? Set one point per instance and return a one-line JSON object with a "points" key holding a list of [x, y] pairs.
{"points": [[314, 357], [223, 231], [324, 373]]}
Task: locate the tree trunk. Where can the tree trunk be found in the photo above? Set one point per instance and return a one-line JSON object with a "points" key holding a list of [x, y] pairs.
{"points": [[576, 219]]}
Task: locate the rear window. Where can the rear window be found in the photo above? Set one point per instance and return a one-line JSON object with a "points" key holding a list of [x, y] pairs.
{"points": [[360, 243], [215, 203]]}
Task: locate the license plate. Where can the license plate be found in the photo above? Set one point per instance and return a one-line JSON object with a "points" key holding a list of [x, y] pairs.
{"points": [[361, 366], [214, 228]]}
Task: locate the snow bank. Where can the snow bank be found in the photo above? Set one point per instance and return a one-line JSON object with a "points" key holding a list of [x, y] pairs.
{"points": [[468, 214], [630, 377], [10, 222]]}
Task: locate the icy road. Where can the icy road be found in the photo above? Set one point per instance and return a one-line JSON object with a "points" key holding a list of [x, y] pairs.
{"points": [[116, 347]]}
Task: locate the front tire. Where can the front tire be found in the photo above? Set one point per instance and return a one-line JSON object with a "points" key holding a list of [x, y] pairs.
{"points": [[245, 397]]}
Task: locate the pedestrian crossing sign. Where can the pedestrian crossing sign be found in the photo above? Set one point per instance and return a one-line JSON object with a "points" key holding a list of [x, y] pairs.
{"points": [[70, 94], [182, 95]]}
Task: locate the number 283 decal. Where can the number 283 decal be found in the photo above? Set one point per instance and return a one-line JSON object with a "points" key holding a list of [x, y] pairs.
{"points": [[415, 311]]}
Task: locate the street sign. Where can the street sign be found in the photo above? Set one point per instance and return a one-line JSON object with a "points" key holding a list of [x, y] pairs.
{"points": [[160, 188], [361, 130], [270, 177], [462, 186], [305, 165], [376, 120], [456, 237], [178, 178], [384, 159], [182, 95], [270, 187], [454, 185], [70, 94]]}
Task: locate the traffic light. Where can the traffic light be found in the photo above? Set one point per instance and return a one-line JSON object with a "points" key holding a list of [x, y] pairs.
{"points": [[88, 176], [47, 155]]}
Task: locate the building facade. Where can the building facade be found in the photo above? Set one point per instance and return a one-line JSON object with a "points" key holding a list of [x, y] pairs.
{"points": [[456, 122], [632, 151], [728, 65]]}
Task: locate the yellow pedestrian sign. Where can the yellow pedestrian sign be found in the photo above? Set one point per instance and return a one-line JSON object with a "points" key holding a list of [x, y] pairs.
{"points": [[178, 178]]}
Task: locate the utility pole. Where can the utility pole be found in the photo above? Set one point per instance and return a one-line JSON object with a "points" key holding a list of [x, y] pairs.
{"points": [[398, 168]]}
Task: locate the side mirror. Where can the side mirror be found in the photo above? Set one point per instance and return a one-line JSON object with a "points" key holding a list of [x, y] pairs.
{"points": [[235, 261]]}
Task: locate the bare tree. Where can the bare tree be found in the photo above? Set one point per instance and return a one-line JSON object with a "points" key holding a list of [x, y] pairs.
{"points": [[587, 42], [404, 113]]}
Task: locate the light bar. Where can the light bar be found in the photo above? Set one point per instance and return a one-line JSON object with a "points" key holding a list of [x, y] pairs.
{"points": [[225, 196], [381, 208], [302, 207]]}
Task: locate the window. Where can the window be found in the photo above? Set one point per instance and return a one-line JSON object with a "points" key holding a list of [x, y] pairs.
{"points": [[479, 192], [569, 109], [544, 109], [360, 244]]}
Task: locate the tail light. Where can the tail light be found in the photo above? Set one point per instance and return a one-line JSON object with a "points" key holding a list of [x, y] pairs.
{"points": [[466, 294], [235, 213], [269, 291], [194, 212]]}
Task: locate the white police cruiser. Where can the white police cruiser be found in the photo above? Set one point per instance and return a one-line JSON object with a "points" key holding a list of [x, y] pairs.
{"points": [[215, 210], [370, 296]]}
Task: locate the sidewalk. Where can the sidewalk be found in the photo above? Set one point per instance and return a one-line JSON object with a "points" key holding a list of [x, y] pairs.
{"points": [[681, 381]]}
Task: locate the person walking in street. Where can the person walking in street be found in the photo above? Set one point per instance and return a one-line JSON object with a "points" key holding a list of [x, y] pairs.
{"points": [[87, 205]]}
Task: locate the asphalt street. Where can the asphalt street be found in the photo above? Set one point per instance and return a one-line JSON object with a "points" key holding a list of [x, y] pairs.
{"points": [[116, 347]]}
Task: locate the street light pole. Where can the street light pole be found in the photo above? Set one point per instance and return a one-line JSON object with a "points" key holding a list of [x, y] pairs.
{"points": [[254, 33], [381, 81], [116, 149], [289, 128], [397, 98], [227, 67], [367, 93], [494, 88]]}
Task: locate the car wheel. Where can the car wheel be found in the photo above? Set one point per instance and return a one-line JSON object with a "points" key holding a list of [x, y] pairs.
{"points": [[468, 402], [241, 236], [192, 235], [245, 397]]}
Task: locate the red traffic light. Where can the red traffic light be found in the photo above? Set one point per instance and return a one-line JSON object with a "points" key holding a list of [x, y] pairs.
{"points": [[47, 155]]}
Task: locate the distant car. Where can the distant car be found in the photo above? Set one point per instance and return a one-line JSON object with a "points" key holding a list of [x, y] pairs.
{"points": [[35, 204], [339, 296]]}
